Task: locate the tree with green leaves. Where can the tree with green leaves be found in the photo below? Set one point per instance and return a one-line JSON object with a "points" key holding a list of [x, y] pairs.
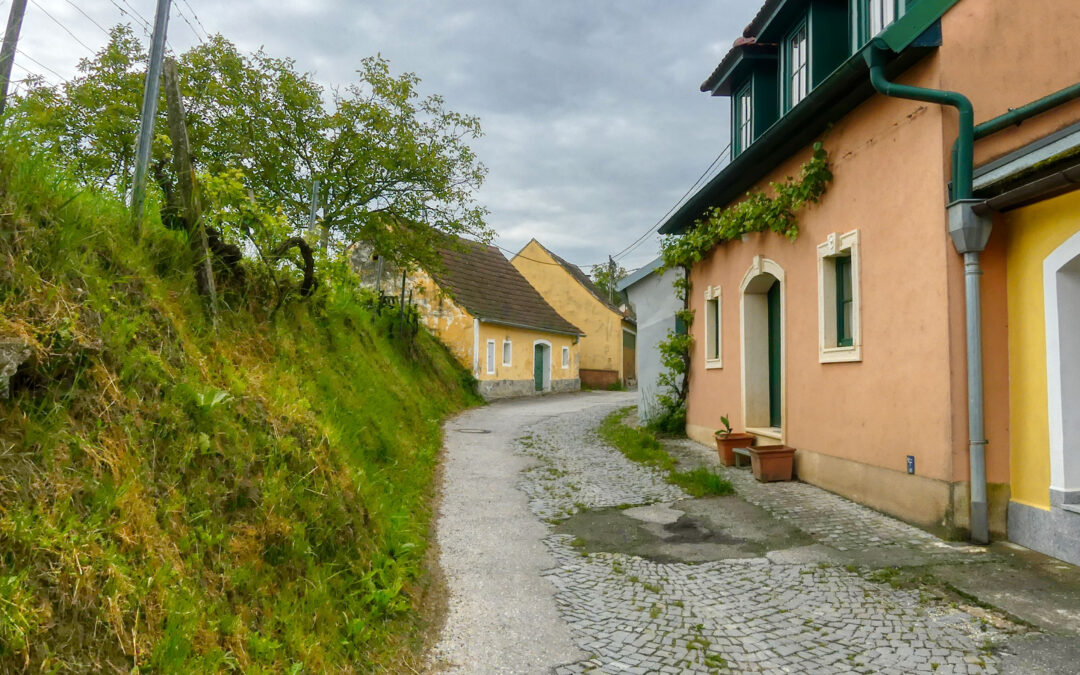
{"points": [[396, 168], [607, 277]]}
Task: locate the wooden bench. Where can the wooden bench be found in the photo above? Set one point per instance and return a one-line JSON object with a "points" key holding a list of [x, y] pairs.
{"points": [[741, 452]]}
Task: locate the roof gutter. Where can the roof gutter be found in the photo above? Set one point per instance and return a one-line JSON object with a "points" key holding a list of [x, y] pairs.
{"points": [[1018, 115], [970, 233]]}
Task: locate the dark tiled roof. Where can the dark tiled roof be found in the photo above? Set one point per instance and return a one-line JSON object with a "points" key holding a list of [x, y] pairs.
{"points": [[763, 15], [585, 281], [743, 46], [482, 280]]}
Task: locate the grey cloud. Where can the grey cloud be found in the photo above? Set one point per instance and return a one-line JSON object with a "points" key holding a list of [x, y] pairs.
{"points": [[593, 122]]}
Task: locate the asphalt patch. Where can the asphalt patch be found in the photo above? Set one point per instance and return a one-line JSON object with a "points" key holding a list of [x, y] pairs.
{"points": [[691, 530]]}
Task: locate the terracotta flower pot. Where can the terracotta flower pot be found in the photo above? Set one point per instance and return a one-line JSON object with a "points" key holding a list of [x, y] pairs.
{"points": [[725, 446], [772, 462]]}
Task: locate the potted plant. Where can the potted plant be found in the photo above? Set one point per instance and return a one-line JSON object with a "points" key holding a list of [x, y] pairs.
{"points": [[772, 462], [727, 440]]}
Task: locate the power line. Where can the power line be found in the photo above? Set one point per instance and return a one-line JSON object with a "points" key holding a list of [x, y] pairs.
{"points": [[66, 29], [91, 19], [33, 60], [144, 25], [516, 254], [637, 242], [136, 12], [193, 13], [193, 31]]}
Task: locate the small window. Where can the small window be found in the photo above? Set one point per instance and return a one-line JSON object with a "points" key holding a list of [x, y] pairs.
{"points": [[565, 357], [508, 353], [798, 65], [839, 332], [491, 357], [680, 325], [713, 318], [843, 301], [744, 118], [871, 17]]}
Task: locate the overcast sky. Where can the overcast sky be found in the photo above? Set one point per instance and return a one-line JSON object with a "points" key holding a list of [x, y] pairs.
{"points": [[594, 125]]}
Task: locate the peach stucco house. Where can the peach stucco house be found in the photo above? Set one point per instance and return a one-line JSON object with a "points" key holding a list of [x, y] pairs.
{"points": [[851, 343]]}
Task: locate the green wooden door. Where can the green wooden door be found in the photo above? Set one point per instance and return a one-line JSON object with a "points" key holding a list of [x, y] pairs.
{"points": [[774, 354], [538, 366]]}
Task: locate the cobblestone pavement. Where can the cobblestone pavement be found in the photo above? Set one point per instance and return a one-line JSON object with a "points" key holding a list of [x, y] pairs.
{"points": [[633, 615], [829, 518]]}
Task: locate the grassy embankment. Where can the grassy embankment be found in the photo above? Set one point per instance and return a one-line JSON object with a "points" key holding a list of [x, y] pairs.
{"points": [[640, 445], [175, 499]]}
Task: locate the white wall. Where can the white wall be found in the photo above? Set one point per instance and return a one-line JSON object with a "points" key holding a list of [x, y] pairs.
{"points": [[655, 304]]}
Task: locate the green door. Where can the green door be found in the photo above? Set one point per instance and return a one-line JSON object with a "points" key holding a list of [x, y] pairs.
{"points": [[774, 354], [538, 366]]}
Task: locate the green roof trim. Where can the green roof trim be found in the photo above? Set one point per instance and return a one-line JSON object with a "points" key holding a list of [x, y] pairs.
{"points": [[912, 37], [914, 23]]}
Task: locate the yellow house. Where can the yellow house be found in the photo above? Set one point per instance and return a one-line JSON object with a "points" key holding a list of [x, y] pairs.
{"points": [[498, 325], [607, 349], [1042, 252]]}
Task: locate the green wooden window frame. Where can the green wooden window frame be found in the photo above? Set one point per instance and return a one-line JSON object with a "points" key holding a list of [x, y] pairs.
{"points": [[744, 118], [795, 90], [844, 302]]}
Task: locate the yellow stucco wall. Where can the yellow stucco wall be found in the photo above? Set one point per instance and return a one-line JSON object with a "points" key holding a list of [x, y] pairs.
{"points": [[455, 327], [522, 343], [601, 347], [443, 317], [1033, 233]]}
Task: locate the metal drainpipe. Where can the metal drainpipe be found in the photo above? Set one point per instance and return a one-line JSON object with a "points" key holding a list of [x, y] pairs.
{"points": [[970, 233], [1017, 115]]}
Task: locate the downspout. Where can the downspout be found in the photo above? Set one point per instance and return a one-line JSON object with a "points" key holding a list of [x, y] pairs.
{"points": [[970, 233]]}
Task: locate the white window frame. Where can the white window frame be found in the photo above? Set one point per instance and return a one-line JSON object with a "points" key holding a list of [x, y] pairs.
{"points": [[714, 328], [746, 117], [798, 55], [490, 357], [508, 353], [882, 15], [565, 357], [837, 246]]}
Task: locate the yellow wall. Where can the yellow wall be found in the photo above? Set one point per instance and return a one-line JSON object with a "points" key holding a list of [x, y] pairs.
{"points": [[444, 318], [1032, 233], [601, 348], [522, 342], [454, 326]]}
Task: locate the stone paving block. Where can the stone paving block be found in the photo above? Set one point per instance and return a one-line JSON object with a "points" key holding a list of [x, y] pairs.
{"points": [[754, 615]]}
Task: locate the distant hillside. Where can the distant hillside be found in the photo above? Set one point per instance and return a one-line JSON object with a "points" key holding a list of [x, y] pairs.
{"points": [[184, 500]]}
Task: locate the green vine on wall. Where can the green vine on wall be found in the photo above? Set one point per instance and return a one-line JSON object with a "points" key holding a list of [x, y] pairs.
{"points": [[759, 212]]}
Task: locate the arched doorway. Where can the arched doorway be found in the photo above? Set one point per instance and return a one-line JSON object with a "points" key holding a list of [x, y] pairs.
{"points": [[762, 314], [1061, 279], [542, 365]]}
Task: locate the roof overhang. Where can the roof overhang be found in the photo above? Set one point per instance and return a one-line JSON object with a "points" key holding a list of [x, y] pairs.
{"points": [[539, 329], [845, 89], [734, 66], [640, 274]]}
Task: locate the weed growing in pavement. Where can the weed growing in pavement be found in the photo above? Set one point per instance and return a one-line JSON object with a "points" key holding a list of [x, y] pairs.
{"points": [[640, 445]]}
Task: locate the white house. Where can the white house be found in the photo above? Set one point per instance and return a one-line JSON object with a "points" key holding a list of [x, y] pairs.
{"points": [[653, 297]]}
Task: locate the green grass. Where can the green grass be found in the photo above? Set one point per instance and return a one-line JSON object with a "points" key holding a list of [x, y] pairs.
{"points": [[175, 498], [640, 445], [701, 482]]}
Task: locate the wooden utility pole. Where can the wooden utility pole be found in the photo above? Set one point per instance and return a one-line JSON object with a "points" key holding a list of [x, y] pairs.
{"points": [[314, 204], [611, 280], [7, 53], [191, 210], [149, 111]]}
